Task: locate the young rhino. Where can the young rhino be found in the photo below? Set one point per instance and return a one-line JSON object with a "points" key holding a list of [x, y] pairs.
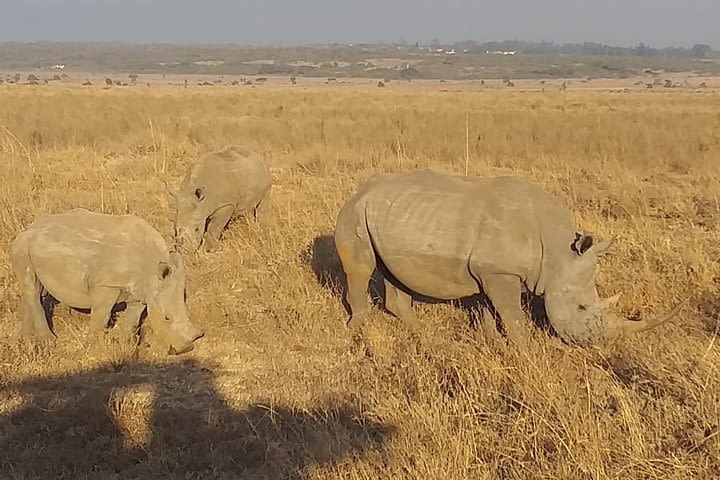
{"points": [[222, 183], [95, 261]]}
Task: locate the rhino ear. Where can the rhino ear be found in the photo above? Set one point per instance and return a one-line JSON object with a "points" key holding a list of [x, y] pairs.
{"points": [[582, 243], [601, 248], [164, 270], [200, 193]]}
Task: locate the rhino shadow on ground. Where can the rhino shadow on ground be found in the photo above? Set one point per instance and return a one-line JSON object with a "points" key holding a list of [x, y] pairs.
{"points": [[323, 258], [85, 425]]}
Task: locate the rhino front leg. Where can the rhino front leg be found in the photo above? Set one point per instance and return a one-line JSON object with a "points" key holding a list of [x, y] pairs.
{"points": [[504, 293], [127, 325], [103, 300], [218, 220], [488, 325], [399, 304]]}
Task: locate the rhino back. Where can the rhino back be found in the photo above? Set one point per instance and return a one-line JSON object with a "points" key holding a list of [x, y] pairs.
{"points": [[428, 226], [76, 251], [234, 175]]}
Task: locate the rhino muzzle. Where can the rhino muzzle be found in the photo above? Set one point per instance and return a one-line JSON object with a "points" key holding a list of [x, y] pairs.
{"points": [[188, 345]]}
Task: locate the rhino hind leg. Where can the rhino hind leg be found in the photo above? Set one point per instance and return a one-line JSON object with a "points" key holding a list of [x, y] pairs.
{"points": [[218, 220], [103, 300], [358, 263], [504, 292], [399, 303], [31, 311]]}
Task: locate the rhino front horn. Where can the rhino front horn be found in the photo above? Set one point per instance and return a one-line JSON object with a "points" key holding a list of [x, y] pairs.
{"points": [[629, 327]]}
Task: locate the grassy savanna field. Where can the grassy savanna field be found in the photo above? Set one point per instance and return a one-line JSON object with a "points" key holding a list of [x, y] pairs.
{"points": [[277, 388]]}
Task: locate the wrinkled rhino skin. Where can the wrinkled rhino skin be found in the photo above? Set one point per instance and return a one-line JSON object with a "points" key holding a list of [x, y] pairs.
{"points": [[94, 261], [447, 236], [223, 183]]}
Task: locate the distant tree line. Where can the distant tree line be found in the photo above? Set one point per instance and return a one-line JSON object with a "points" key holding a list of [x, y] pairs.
{"points": [[698, 50]]}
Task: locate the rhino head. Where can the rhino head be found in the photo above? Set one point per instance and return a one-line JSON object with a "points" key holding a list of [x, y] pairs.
{"points": [[190, 216], [573, 306], [167, 310]]}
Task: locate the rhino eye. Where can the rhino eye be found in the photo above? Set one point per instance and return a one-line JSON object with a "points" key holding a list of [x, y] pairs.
{"points": [[581, 308]]}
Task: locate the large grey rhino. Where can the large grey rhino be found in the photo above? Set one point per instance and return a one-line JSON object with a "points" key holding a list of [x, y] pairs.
{"points": [[446, 237], [94, 261], [220, 184]]}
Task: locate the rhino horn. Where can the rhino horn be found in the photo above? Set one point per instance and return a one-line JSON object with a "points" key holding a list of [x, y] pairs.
{"points": [[628, 327], [608, 303]]}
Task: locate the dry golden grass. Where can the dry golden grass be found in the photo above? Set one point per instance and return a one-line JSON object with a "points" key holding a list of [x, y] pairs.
{"points": [[276, 389]]}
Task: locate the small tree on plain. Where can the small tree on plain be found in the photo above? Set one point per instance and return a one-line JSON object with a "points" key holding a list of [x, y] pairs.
{"points": [[700, 50]]}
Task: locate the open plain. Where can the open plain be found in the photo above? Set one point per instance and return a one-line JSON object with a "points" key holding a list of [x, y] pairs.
{"points": [[277, 388]]}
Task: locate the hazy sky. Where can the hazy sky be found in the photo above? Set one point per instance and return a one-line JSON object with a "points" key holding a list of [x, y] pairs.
{"points": [[658, 23]]}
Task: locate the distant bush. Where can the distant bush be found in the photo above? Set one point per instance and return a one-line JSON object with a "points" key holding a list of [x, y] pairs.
{"points": [[409, 72], [275, 68]]}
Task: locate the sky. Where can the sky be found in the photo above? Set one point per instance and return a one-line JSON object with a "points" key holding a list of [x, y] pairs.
{"points": [[658, 23]]}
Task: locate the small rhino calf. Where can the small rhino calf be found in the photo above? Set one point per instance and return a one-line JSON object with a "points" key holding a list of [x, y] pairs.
{"points": [[94, 261], [222, 183]]}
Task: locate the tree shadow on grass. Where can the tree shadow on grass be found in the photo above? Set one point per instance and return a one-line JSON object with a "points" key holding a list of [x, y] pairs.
{"points": [[95, 424]]}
